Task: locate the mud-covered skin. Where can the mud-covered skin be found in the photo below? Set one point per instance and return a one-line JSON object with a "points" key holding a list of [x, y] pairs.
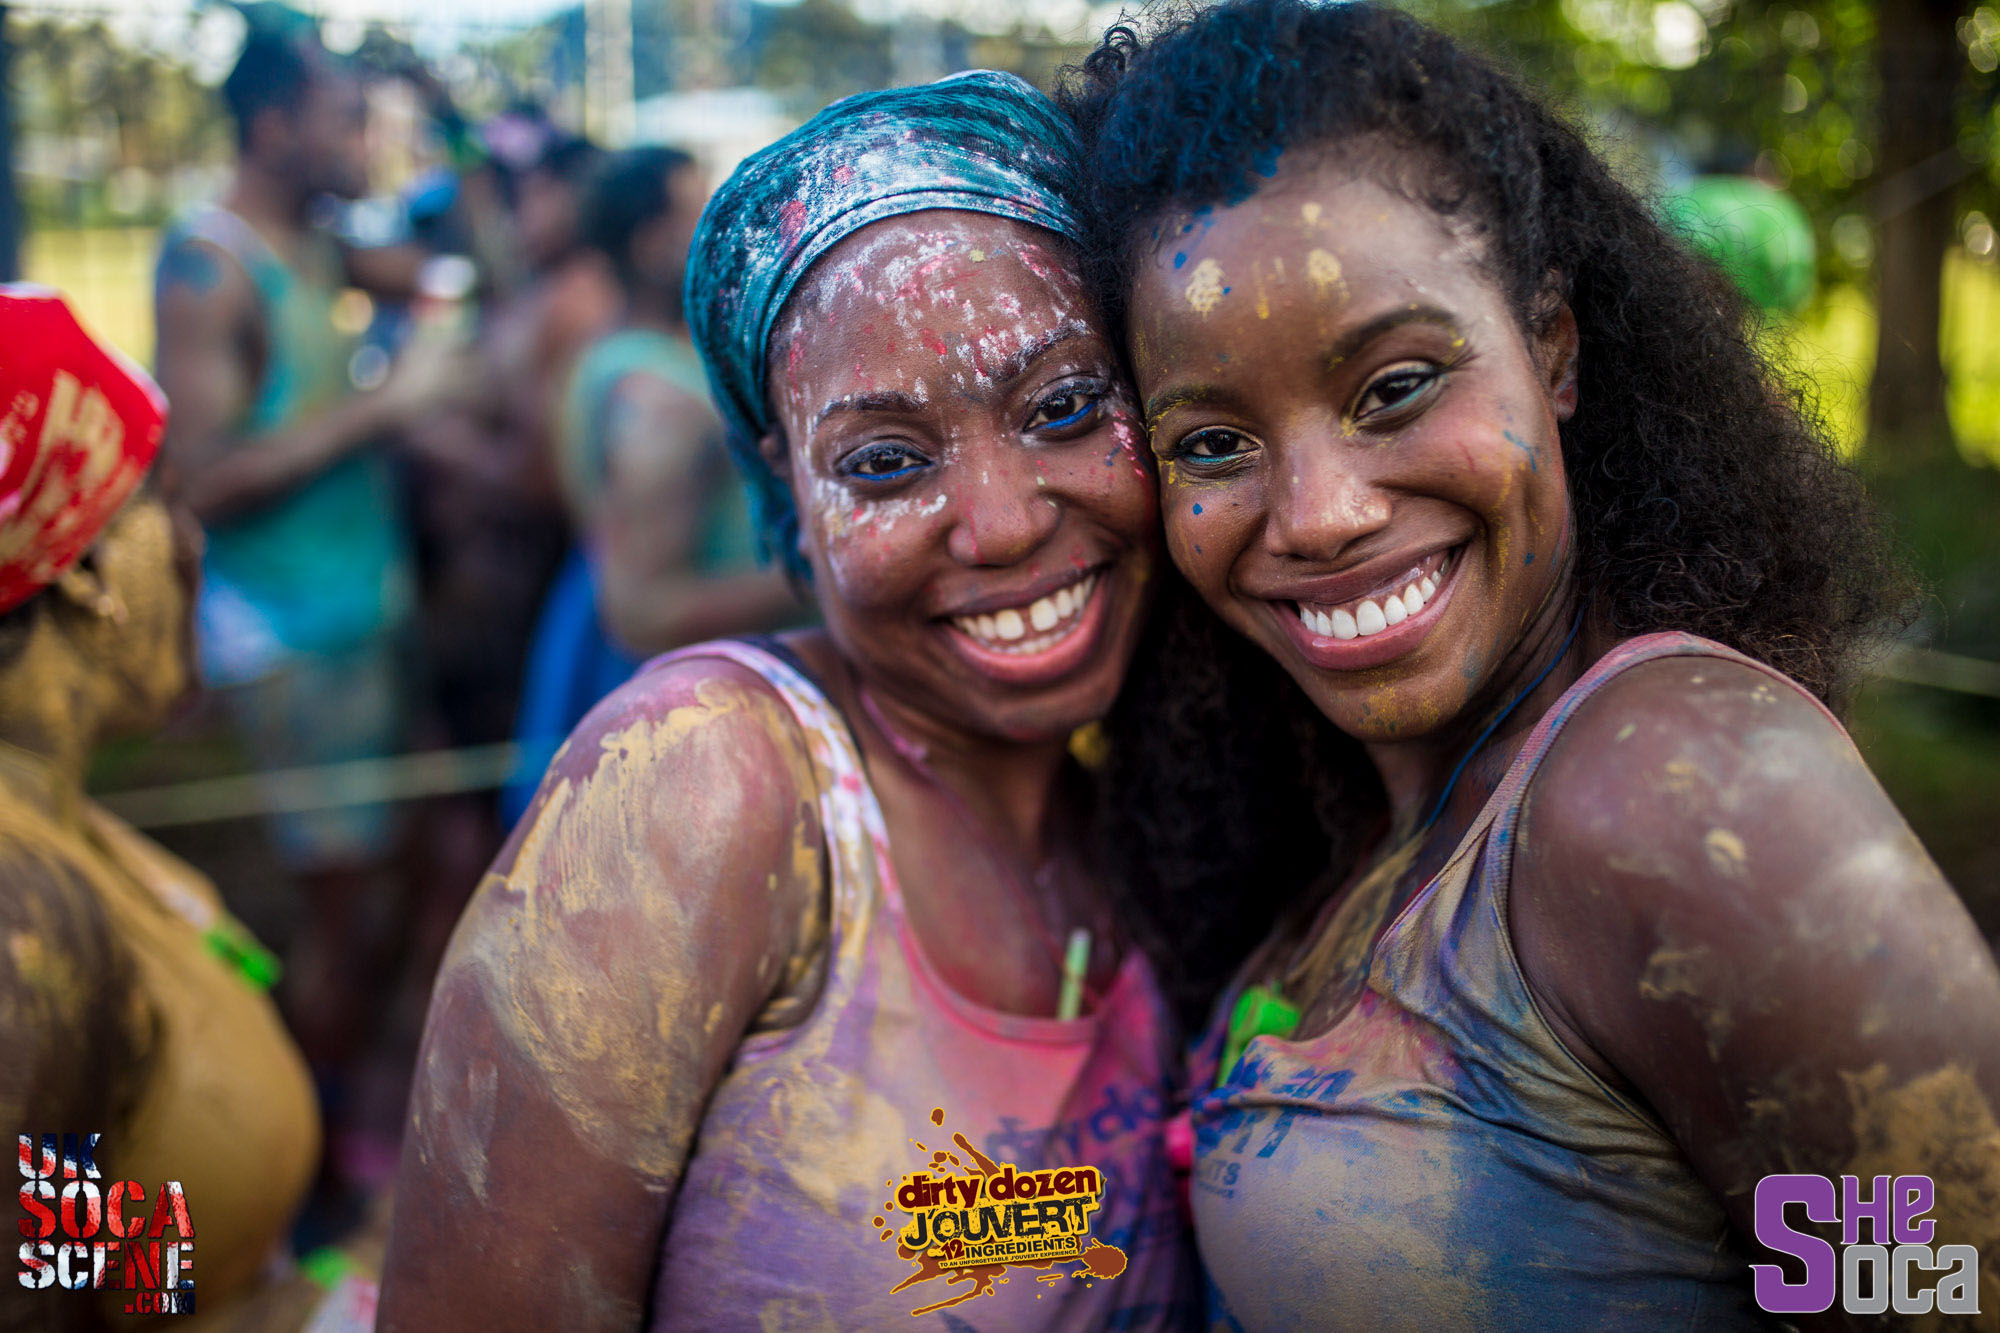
{"points": [[1719, 909], [667, 892], [631, 930], [114, 1016]]}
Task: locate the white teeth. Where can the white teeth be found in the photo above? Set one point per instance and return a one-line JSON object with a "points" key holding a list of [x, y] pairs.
{"points": [[1032, 629], [1344, 626], [1370, 619], [1428, 587], [1413, 599], [1393, 610]]}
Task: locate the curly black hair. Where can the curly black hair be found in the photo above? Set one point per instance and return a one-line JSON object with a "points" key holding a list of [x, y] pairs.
{"points": [[1706, 493]]}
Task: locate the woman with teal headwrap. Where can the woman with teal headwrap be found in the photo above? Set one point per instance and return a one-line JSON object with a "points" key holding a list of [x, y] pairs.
{"points": [[791, 920]]}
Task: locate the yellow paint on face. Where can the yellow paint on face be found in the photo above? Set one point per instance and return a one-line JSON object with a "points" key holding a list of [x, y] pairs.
{"points": [[1323, 271], [1204, 289]]}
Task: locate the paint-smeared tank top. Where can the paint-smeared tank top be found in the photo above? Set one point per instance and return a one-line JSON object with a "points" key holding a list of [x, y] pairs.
{"points": [[780, 1213], [1439, 1159]]}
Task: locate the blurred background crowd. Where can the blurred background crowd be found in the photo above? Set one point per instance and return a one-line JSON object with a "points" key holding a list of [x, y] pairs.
{"points": [[427, 254]]}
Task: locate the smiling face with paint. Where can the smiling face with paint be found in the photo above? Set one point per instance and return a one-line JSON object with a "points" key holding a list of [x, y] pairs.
{"points": [[966, 464], [1358, 442]]}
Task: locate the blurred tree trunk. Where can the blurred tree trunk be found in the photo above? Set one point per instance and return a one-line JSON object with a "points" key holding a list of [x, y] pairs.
{"points": [[1921, 67], [10, 204]]}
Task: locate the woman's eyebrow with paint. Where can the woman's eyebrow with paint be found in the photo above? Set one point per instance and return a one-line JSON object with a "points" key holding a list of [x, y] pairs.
{"points": [[1388, 322], [1168, 399], [1017, 363], [874, 401]]}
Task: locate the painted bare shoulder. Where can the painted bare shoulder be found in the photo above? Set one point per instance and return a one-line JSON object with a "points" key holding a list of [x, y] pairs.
{"points": [[1688, 769], [654, 898], [1715, 898]]}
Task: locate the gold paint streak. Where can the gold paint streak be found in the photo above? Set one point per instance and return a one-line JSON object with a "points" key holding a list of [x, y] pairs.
{"points": [[1323, 271], [1726, 853], [1941, 1125], [1204, 289]]}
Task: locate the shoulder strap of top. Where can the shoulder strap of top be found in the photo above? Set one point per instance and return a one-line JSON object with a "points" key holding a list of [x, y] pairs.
{"points": [[587, 400], [236, 238], [1508, 800]]}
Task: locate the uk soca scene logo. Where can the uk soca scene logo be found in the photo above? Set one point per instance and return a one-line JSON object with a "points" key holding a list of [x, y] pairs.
{"points": [[1898, 1269], [80, 1235], [972, 1218]]}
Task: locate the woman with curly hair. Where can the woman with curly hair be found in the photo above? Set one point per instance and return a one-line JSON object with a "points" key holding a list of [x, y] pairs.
{"points": [[1615, 922]]}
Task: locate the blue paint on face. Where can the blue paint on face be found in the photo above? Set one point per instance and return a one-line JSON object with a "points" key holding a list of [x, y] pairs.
{"points": [[1528, 559], [1180, 258], [1266, 162], [1534, 464], [1197, 509]]}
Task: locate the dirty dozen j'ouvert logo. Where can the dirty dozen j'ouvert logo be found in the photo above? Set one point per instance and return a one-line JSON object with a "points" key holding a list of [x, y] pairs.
{"points": [[972, 1218], [1899, 1268], [80, 1233]]}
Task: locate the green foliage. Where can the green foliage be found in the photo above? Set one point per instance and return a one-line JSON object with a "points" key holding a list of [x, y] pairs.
{"points": [[1788, 87], [103, 127]]}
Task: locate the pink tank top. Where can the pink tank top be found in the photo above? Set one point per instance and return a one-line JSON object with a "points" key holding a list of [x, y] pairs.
{"points": [[780, 1214]]}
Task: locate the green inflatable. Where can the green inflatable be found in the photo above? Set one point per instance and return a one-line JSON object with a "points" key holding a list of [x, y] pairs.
{"points": [[1758, 235]]}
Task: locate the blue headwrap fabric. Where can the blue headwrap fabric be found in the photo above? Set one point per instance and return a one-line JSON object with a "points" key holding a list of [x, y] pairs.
{"points": [[982, 142]]}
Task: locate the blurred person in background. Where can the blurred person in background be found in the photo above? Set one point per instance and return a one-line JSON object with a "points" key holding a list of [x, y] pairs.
{"points": [[492, 531], [309, 580], [666, 554], [132, 1004], [493, 525]]}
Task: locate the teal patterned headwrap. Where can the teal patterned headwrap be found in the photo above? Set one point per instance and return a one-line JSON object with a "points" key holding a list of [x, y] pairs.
{"points": [[981, 142]]}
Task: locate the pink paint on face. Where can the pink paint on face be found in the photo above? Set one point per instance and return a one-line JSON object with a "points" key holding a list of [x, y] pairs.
{"points": [[973, 552]]}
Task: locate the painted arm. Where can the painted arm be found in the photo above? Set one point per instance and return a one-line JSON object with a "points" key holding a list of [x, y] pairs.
{"points": [[207, 326], [594, 992], [657, 444], [1721, 910]]}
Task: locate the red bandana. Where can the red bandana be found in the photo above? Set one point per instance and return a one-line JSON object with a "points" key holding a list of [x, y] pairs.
{"points": [[79, 425]]}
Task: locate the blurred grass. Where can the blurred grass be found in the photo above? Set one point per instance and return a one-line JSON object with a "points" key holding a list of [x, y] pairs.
{"points": [[107, 273]]}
